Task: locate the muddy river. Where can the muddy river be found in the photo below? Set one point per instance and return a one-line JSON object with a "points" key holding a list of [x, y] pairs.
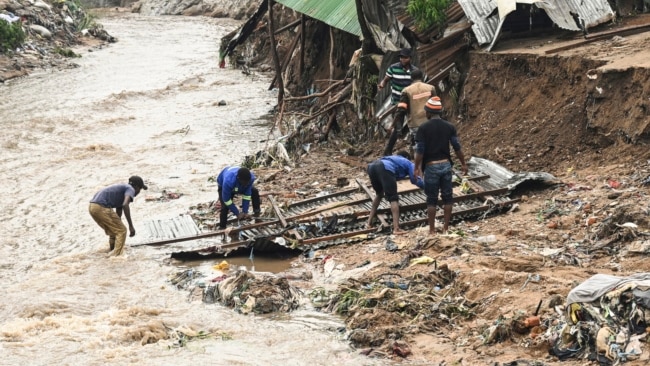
{"points": [[147, 105]]}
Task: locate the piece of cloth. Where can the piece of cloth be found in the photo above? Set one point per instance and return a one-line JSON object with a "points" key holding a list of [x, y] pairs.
{"points": [[437, 180], [230, 186], [433, 139], [113, 196], [223, 213], [113, 226], [400, 78], [413, 98], [600, 284], [411, 103]]}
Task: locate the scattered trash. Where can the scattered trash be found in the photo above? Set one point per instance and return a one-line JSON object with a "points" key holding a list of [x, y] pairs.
{"points": [[486, 239], [421, 260], [390, 245], [223, 266]]}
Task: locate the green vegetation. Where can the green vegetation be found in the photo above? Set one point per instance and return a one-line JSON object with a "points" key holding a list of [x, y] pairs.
{"points": [[11, 35], [428, 12], [85, 22]]}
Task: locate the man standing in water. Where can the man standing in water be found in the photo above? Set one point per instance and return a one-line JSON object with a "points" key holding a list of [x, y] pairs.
{"points": [[384, 173], [118, 197], [233, 180], [432, 153]]}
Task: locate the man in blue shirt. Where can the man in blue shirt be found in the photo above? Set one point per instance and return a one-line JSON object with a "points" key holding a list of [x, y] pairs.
{"points": [[233, 181], [384, 173], [116, 197]]}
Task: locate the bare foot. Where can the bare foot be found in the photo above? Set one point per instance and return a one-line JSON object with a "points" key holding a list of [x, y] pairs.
{"points": [[432, 233], [399, 232]]}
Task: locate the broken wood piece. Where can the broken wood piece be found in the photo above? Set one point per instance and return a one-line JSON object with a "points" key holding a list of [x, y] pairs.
{"points": [[277, 211], [381, 217]]}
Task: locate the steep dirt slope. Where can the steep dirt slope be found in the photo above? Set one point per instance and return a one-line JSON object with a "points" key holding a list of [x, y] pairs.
{"points": [[584, 107]]}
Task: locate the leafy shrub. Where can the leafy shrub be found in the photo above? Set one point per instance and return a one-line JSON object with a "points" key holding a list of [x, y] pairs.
{"points": [[428, 12], [11, 35]]}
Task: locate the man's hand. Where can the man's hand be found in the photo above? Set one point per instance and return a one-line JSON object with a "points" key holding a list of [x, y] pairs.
{"points": [[463, 169], [380, 86], [131, 231], [418, 173]]}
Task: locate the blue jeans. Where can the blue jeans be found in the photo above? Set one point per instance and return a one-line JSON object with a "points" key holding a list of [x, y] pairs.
{"points": [[437, 179]]}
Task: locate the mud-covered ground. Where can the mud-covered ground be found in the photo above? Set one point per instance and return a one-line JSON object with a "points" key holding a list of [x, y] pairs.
{"points": [[582, 119]]}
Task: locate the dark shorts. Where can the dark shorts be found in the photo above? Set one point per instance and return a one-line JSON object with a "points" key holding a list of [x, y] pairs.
{"points": [[383, 181], [437, 179]]}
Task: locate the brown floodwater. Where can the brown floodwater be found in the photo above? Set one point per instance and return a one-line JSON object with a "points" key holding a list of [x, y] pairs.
{"points": [[147, 105]]}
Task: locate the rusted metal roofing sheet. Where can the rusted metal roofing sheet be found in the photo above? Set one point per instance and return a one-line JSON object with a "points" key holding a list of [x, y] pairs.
{"points": [[340, 14], [486, 27], [317, 222]]}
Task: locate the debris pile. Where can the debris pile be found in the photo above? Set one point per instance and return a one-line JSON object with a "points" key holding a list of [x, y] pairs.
{"points": [[50, 29], [242, 290], [385, 308], [606, 320]]}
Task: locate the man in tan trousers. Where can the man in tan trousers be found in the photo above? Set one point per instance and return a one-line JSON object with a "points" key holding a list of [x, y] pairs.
{"points": [[118, 197]]}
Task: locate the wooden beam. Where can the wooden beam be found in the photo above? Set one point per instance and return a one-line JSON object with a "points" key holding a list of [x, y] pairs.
{"points": [[274, 53], [282, 29], [381, 217], [303, 31], [336, 236], [601, 36], [278, 213], [285, 60]]}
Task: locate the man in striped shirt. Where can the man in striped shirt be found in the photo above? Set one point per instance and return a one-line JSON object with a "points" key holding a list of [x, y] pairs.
{"points": [[399, 75], [411, 103]]}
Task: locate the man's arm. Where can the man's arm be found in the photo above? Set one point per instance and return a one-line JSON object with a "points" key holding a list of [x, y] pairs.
{"points": [[246, 197], [127, 213], [459, 153], [383, 82], [226, 196], [414, 179], [418, 162]]}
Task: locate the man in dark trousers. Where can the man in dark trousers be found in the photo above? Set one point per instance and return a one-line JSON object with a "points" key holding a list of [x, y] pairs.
{"points": [[233, 181], [116, 197], [433, 156], [384, 173], [411, 103], [399, 75]]}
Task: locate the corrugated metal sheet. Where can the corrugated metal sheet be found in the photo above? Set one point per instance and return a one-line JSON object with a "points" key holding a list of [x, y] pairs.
{"points": [[486, 27], [340, 14]]}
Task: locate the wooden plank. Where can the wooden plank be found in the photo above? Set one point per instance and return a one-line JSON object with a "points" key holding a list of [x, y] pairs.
{"points": [[601, 36], [381, 217], [322, 198], [208, 234], [336, 236], [277, 212]]}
